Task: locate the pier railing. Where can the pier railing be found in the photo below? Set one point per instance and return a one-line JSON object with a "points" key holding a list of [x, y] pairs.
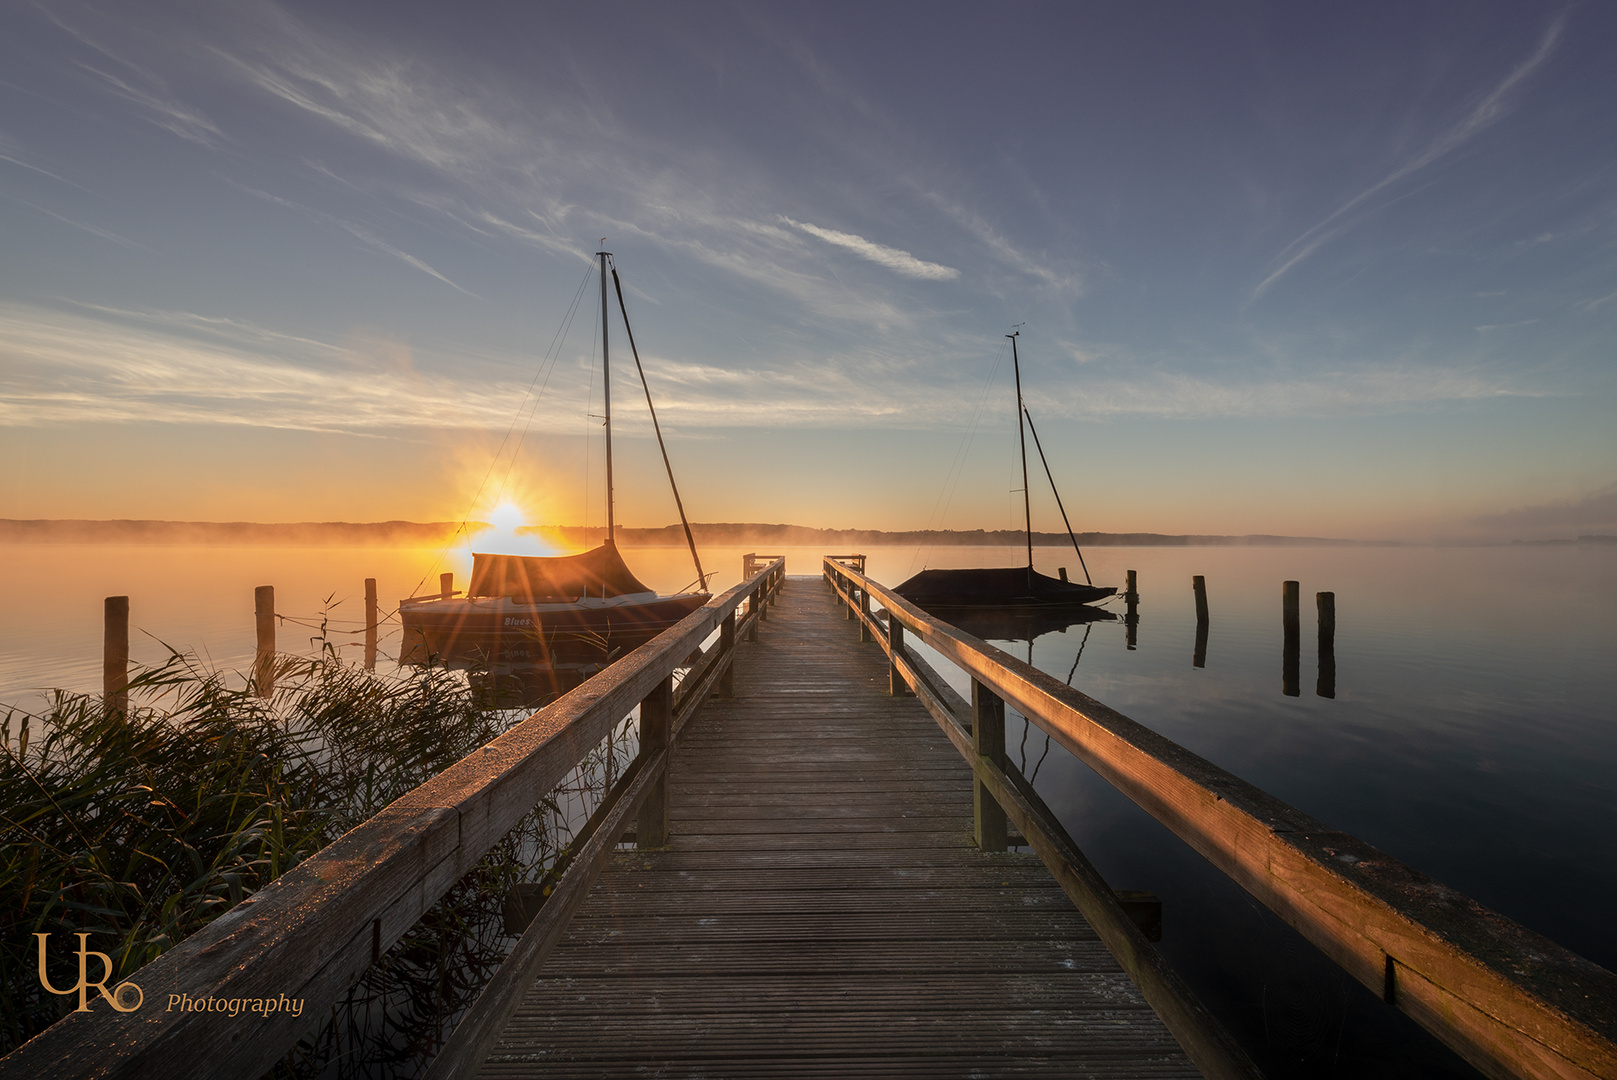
{"points": [[312, 932], [1511, 1002]]}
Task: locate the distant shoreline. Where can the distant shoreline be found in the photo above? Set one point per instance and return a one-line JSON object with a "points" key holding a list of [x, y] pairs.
{"points": [[440, 533]]}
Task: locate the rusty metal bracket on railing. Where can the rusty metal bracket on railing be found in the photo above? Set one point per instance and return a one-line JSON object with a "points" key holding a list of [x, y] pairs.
{"points": [[1508, 1000]]}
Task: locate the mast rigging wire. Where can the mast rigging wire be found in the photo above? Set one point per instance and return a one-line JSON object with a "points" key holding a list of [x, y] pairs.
{"points": [[689, 539], [1056, 493]]}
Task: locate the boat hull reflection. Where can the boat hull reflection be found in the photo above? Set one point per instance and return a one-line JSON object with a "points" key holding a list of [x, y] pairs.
{"points": [[1019, 623]]}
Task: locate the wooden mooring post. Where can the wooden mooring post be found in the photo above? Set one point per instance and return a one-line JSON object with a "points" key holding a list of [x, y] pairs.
{"points": [[115, 655], [1326, 686], [1131, 616], [1290, 617], [264, 660], [1198, 585], [446, 585], [370, 624]]}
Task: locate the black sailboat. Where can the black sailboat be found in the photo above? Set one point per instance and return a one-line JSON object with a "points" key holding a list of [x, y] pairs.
{"points": [[1011, 587], [575, 612]]}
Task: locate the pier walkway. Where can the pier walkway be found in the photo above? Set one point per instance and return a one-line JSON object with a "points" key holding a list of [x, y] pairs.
{"points": [[821, 909]]}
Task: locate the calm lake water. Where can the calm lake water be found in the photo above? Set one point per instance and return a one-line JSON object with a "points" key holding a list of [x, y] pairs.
{"points": [[1473, 734]]}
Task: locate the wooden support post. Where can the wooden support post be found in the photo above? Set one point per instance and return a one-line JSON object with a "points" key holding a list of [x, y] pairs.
{"points": [[864, 612], [896, 685], [115, 655], [727, 647], [446, 585], [656, 713], [1290, 594], [1131, 614], [264, 659], [988, 740], [1326, 687], [752, 609], [370, 624]]}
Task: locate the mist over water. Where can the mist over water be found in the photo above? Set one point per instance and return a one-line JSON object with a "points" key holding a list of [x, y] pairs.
{"points": [[1472, 734]]}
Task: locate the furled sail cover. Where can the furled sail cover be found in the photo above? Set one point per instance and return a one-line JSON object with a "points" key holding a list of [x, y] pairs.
{"points": [[598, 572]]}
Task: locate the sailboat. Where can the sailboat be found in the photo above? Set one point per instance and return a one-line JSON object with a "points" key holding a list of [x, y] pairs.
{"points": [[569, 611], [942, 592]]}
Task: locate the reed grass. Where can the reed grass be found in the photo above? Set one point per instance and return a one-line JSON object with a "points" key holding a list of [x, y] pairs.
{"points": [[140, 827]]}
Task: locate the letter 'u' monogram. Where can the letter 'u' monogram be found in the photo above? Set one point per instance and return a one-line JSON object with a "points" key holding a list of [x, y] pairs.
{"points": [[123, 992]]}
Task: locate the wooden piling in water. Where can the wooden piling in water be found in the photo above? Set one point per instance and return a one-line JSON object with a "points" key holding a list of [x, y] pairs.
{"points": [[1326, 686], [370, 624], [1290, 617], [446, 585], [1198, 585], [1131, 614], [264, 660], [115, 654]]}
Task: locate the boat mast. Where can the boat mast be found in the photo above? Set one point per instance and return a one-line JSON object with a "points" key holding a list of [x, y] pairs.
{"points": [[606, 399], [1021, 433]]}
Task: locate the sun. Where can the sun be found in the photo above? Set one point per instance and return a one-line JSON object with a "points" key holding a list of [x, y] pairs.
{"points": [[507, 517]]}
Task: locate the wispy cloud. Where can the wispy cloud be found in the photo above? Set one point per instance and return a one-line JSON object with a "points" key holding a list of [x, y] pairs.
{"points": [[892, 258], [93, 230], [1597, 509], [409, 260], [358, 232], [1000, 247], [1490, 108], [1371, 389]]}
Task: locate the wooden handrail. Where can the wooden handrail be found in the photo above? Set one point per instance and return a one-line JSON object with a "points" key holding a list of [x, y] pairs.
{"points": [[1508, 1000], [311, 933]]}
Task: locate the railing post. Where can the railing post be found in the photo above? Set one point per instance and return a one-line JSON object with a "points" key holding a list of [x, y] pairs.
{"points": [[864, 617], [264, 661], [752, 609], [727, 648], [370, 624], [115, 654], [896, 685], [988, 740], [651, 829]]}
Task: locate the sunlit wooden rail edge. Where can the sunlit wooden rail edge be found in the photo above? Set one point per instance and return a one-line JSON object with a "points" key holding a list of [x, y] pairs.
{"points": [[312, 932], [1508, 1000]]}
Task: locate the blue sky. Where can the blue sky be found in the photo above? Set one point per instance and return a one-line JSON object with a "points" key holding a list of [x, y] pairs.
{"points": [[1345, 271]]}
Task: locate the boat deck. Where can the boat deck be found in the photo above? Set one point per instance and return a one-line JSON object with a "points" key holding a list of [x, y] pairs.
{"points": [[821, 909]]}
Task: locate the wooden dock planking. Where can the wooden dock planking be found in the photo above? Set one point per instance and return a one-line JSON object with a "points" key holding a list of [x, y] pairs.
{"points": [[821, 909]]}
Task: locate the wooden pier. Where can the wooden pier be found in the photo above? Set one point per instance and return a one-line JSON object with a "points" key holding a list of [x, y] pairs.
{"points": [[820, 886], [821, 908]]}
